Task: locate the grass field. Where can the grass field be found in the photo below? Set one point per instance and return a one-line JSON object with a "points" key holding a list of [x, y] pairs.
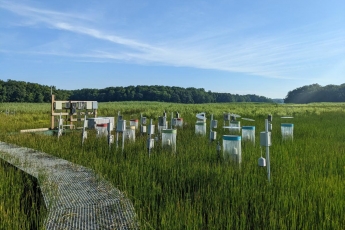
{"points": [[21, 203], [194, 188]]}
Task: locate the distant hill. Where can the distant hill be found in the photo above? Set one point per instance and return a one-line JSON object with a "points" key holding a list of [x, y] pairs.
{"points": [[316, 93], [20, 91]]}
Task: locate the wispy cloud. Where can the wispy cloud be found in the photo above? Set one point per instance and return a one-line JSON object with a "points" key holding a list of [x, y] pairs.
{"points": [[39, 14], [271, 55]]}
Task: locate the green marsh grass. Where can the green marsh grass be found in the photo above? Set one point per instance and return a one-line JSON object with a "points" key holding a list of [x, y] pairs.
{"points": [[21, 202], [194, 189]]}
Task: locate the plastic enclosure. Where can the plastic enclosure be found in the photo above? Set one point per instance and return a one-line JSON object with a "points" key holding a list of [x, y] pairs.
{"points": [[235, 124], [179, 122], [134, 122], [80, 105], [151, 130], [162, 121], [169, 139], [150, 143], [102, 130], [58, 105], [200, 128], [143, 129], [161, 127], [287, 130], [94, 105], [248, 133], [89, 105], [92, 122], [213, 135], [265, 139], [130, 133], [232, 148], [262, 162], [121, 126], [214, 124], [143, 120]]}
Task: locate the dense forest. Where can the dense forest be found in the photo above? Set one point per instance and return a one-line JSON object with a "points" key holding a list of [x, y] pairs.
{"points": [[20, 91], [316, 93]]}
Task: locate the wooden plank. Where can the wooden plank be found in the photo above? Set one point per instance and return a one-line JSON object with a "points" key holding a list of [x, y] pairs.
{"points": [[33, 130]]}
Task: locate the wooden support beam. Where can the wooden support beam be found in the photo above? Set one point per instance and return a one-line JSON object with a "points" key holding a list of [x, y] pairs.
{"points": [[69, 117], [52, 113]]}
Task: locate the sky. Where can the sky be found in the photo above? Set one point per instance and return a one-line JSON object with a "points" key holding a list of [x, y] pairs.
{"points": [[263, 47]]}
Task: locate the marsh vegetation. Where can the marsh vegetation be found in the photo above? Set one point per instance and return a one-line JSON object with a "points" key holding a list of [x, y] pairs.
{"points": [[195, 188]]}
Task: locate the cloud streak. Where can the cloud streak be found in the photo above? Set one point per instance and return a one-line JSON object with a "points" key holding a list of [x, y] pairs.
{"points": [[271, 55]]}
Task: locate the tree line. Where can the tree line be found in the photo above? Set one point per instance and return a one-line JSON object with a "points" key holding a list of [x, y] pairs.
{"points": [[316, 93], [20, 91]]}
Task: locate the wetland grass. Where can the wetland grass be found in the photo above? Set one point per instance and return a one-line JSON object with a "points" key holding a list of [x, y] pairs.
{"points": [[194, 189]]}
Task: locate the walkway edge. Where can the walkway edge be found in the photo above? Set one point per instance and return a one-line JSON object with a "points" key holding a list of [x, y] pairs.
{"points": [[76, 197]]}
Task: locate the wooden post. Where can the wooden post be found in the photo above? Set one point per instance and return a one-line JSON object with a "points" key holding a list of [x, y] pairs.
{"points": [[52, 112], [70, 114]]}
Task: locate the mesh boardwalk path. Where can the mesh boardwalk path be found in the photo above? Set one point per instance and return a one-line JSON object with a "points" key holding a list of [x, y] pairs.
{"points": [[75, 197]]}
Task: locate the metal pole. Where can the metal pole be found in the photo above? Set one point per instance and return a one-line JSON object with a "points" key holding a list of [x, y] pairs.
{"points": [[60, 128], [149, 140], [84, 135], [267, 154], [117, 133], [117, 139], [268, 163], [123, 141], [109, 133], [141, 124], [211, 127]]}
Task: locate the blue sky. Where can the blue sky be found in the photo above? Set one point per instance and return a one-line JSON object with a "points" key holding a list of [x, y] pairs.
{"points": [[246, 47]]}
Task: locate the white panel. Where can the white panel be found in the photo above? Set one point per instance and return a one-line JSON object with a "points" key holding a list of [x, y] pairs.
{"points": [[89, 105], [94, 105], [58, 105]]}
